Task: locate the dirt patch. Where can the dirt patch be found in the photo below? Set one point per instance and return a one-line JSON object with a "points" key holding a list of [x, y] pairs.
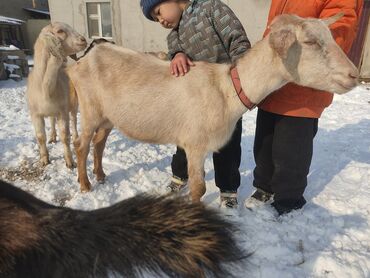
{"points": [[25, 171], [33, 173], [61, 198]]}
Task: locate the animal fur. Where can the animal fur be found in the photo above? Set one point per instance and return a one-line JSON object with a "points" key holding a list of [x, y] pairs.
{"points": [[73, 100], [159, 234], [198, 111], [48, 85]]}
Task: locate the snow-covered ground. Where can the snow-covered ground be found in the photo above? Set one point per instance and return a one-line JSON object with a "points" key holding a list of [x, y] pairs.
{"points": [[330, 237]]}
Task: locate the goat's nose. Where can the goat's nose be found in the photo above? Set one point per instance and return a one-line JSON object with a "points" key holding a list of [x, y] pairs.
{"points": [[354, 74]]}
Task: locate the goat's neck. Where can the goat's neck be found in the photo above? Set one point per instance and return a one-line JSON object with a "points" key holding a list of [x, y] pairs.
{"points": [[259, 71], [42, 57]]}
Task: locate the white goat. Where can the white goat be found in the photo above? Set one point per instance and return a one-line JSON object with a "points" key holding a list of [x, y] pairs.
{"points": [[73, 101], [48, 84], [73, 109], [198, 112]]}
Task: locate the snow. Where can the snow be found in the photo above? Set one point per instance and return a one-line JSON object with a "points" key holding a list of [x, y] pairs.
{"points": [[30, 60], [330, 237], [10, 47], [10, 20], [11, 67], [16, 76], [13, 57]]}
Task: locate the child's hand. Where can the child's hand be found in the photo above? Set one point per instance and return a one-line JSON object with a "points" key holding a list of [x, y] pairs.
{"points": [[180, 64]]}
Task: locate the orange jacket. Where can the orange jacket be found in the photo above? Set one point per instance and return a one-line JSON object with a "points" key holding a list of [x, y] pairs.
{"points": [[298, 101]]}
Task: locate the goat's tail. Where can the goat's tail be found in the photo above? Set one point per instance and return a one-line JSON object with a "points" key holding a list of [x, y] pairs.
{"points": [[145, 233]]}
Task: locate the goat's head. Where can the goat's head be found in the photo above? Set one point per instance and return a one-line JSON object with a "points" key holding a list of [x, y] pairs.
{"points": [[60, 37], [309, 54]]}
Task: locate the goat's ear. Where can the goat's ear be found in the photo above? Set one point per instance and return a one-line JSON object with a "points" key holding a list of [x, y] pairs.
{"points": [[281, 40], [330, 20], [54, 45]]}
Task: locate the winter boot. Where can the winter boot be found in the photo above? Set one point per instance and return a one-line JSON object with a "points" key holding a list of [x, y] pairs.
{"points": [[257, 199], [176, 185]]}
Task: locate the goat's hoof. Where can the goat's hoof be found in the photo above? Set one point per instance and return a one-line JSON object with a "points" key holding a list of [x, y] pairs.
{"points": [[100, 176], [52, 140], [195, 197], [71, 165], [100, 180], [85, 188], [44, 161]]}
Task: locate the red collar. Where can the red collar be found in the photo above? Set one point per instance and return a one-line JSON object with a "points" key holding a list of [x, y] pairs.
{"points": [[239, 90]]}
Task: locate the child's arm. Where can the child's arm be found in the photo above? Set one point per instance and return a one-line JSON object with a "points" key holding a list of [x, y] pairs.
{"points": [[229, 29], [180, 62], [344, 30], [173, 44]]}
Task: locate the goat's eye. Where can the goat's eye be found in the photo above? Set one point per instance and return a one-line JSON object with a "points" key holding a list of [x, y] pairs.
{"points": [[60, 31], [311, 43]]}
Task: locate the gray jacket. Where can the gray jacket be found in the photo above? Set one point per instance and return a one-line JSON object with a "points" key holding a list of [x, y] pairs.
{"points": [[208, 31]]}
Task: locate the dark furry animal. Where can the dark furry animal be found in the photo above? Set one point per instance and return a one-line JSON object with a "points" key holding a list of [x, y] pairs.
{"points": [[162, 235]]}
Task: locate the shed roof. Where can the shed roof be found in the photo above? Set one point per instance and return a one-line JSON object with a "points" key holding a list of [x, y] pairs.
{"points": [[10, 20]]}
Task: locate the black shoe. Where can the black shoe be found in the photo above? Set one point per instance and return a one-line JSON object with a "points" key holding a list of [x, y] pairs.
{"points": [[288, 205], [229, 203], [257, 199], [261, 195], [228, 200]]}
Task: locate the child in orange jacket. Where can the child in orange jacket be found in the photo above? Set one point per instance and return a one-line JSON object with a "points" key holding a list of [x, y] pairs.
{"points": [[287, 121]]}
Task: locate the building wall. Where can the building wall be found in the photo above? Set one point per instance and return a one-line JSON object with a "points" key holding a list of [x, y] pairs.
{"points": [[14, 8], [34, 27], [131, 29]]}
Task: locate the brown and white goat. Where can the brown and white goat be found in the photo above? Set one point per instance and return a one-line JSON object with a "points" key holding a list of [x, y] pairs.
{"points": [[48, 84], [198, 112]]}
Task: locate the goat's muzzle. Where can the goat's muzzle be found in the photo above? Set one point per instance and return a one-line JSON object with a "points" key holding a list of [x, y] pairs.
{"points": [[346, 80]]}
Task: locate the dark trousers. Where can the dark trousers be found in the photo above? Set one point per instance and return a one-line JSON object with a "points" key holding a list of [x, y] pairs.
{"points": [[283, 148], [226, 163]]}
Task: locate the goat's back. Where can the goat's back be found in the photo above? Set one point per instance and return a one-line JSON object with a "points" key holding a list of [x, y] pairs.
{"points": [[137, 93]]}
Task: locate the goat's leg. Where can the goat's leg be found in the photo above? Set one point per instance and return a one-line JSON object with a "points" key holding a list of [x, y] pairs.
{"points": [[39, 126], [197, 185], [63, 125], [82, 146], [99, 140], [73, 106], [74, 124], [53, 132]]}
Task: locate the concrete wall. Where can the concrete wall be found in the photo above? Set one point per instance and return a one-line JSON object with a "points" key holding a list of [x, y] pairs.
{"points": [[34, 27], [131, 29], [14, 8], [253, 15]]}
